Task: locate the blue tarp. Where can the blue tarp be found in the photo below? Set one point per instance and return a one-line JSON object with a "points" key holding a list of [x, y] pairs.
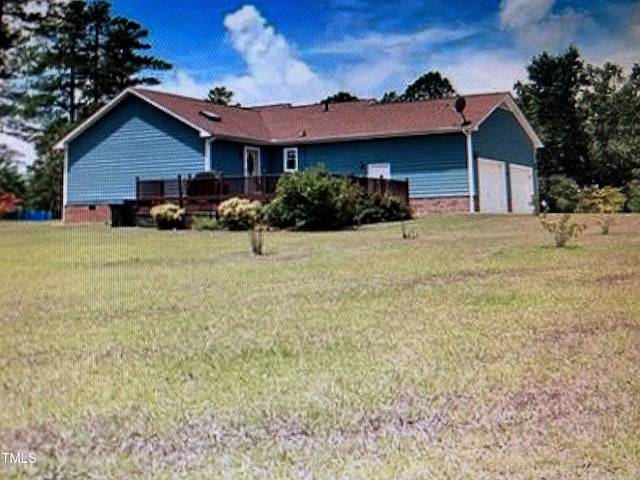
{"points": [[31, 215]]}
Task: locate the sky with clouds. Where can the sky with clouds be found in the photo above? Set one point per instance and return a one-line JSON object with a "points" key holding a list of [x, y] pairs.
{"points": [[275, 51]]}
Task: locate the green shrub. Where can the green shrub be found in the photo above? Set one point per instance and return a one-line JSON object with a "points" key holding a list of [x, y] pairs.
{"points": [[605, 202], [239, 214], [168, 216], [562, 227], [374, 208], [205, 222], [633, 197], [277, 214], [313, 200], [560, 193]]}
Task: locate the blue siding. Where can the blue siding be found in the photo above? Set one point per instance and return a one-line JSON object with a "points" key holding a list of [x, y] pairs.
{"points": [[271, 159], [134, 139], [227, 158], [502, 138], [435, 165]]}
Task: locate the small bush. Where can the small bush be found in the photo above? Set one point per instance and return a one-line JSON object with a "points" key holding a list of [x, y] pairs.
{"points": [[562, 227], [605, 202], [168, 216], [381, 208], [560, 193], [205, 222], [9, 202], [239, 214]]}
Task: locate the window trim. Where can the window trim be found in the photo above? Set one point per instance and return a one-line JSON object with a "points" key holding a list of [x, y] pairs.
{"points": [[285, 152]]}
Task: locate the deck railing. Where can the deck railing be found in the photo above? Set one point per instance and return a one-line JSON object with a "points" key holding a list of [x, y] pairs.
{"points": [[222, 187], [205, 191]]}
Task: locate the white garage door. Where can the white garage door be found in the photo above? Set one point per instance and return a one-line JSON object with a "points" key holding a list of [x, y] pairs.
{"points": [[493, 187], [521, 188]]}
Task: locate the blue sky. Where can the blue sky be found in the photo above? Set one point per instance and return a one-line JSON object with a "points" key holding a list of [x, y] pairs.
{"points": [[275, 51]]}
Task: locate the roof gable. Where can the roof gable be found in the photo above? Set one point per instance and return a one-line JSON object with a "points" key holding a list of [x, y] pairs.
{"points": [[285, 124]]}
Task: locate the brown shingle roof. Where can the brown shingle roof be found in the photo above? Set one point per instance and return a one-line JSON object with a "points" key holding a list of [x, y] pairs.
{"points": [[234, 122], [285, 124], [311, 123]]}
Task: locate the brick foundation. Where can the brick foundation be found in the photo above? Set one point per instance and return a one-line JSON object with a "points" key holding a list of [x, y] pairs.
{"points": [[422, 206], [87, 214]]}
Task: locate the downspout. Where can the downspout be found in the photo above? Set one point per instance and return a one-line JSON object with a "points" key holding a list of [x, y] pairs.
{"points": [[207, 153], [64, 183], [536, 182], [470, 171]]}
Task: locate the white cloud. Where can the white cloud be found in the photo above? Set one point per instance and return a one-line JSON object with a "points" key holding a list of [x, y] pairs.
{"points": [[182, 83], [275, 71], [517, 14], [482, 71], [609, 35], [374, 62], [620, 42], [535, 26], [390, 43]]}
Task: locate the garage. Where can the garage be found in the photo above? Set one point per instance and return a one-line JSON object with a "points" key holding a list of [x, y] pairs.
{"points": [[521, 188], [492, 186]]}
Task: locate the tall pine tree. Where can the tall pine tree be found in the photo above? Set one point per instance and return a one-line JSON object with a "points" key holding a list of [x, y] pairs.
{"points": [[124, 61], [89, 57]]}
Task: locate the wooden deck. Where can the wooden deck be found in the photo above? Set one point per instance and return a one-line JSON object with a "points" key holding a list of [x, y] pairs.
{"points": [[203, 193]]}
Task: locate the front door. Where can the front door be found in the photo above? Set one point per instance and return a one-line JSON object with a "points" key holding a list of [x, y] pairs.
{"points": [[251, 169]]}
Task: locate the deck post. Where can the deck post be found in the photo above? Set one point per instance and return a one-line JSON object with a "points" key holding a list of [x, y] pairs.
{"points": [[137, 188], [406, 190], [180, 190]]}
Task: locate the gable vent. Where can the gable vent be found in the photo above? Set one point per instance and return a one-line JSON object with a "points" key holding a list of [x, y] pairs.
{"points": [[214, 117]]}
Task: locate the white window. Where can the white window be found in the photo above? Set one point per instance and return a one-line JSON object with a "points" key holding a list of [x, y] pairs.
{"points": [[290, 159]]}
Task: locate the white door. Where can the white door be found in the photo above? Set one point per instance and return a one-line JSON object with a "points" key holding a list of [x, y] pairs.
{"points": [[493, 186], [251, 165], [521, 188], [251, 170]]}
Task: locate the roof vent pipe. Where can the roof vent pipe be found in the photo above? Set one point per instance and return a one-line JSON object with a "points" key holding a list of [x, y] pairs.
{"points": [[326, 105], [460, 104]]}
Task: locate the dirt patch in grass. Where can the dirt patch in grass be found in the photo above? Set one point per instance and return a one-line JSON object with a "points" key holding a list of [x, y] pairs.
{"points": [[527, 419], [618, 279], [578, 332], [573, 409], [191, 442]]}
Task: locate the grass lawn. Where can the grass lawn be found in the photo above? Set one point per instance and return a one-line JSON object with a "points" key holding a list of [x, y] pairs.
{"points": [[477, 350]]}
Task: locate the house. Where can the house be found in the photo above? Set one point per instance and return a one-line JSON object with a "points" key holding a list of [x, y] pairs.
{"points": [[476, 154]]}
